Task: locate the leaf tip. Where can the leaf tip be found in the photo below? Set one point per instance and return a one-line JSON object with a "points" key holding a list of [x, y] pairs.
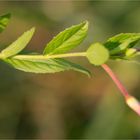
{"points": [[85, 24], [32, 30], [89, 74]]}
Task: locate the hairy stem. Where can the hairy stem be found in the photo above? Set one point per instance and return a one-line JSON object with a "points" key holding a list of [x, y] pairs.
{"points": [[45, 57], [130, 100]]}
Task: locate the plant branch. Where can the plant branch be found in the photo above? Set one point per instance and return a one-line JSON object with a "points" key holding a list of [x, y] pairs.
{"points": [[45, 57]]}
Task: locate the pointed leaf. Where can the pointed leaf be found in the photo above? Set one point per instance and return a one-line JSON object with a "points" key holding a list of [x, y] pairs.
{"points": [[4, 19], [67, 40], [48, 66], [19, 44], [97, 54], [121, 42]]}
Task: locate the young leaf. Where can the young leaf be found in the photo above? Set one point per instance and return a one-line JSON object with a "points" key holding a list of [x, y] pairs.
{"points": [[47, 66], [136, 51], [67, 40], [131, 52], [97, 54], [4, 19], [121, 42], [19, 44]]}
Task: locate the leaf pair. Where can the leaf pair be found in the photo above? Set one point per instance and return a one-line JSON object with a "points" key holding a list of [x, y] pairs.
{"points": [[63, 42], [121, 44]]}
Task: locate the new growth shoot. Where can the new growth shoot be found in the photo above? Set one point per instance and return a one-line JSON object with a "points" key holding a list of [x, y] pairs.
{"points": [[52, 59]]}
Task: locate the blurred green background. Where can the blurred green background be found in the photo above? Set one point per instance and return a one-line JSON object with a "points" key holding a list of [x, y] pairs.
{"points": [[68, 104]]}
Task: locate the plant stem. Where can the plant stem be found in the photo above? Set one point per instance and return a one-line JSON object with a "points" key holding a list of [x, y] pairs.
{"points": [[45, 57], [130, 100], [116, 80]]}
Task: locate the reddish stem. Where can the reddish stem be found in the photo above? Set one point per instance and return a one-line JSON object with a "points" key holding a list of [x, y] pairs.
{"points": [[130, 100], [116, 80]]}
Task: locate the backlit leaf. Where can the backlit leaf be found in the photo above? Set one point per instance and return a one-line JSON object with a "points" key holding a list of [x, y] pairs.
{"points": [[121, 42], [47, 66], [67, 40], [19, 44]]}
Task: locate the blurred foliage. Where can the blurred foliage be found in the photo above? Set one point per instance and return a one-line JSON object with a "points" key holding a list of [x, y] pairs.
{"points": [[68, 104]]}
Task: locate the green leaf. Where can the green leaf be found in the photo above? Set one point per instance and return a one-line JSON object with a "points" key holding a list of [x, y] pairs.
{"points": [[130, 52], [19, 44], [121, 42], [4, 19], [67, 40], [97, 54], [47, 66]]}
